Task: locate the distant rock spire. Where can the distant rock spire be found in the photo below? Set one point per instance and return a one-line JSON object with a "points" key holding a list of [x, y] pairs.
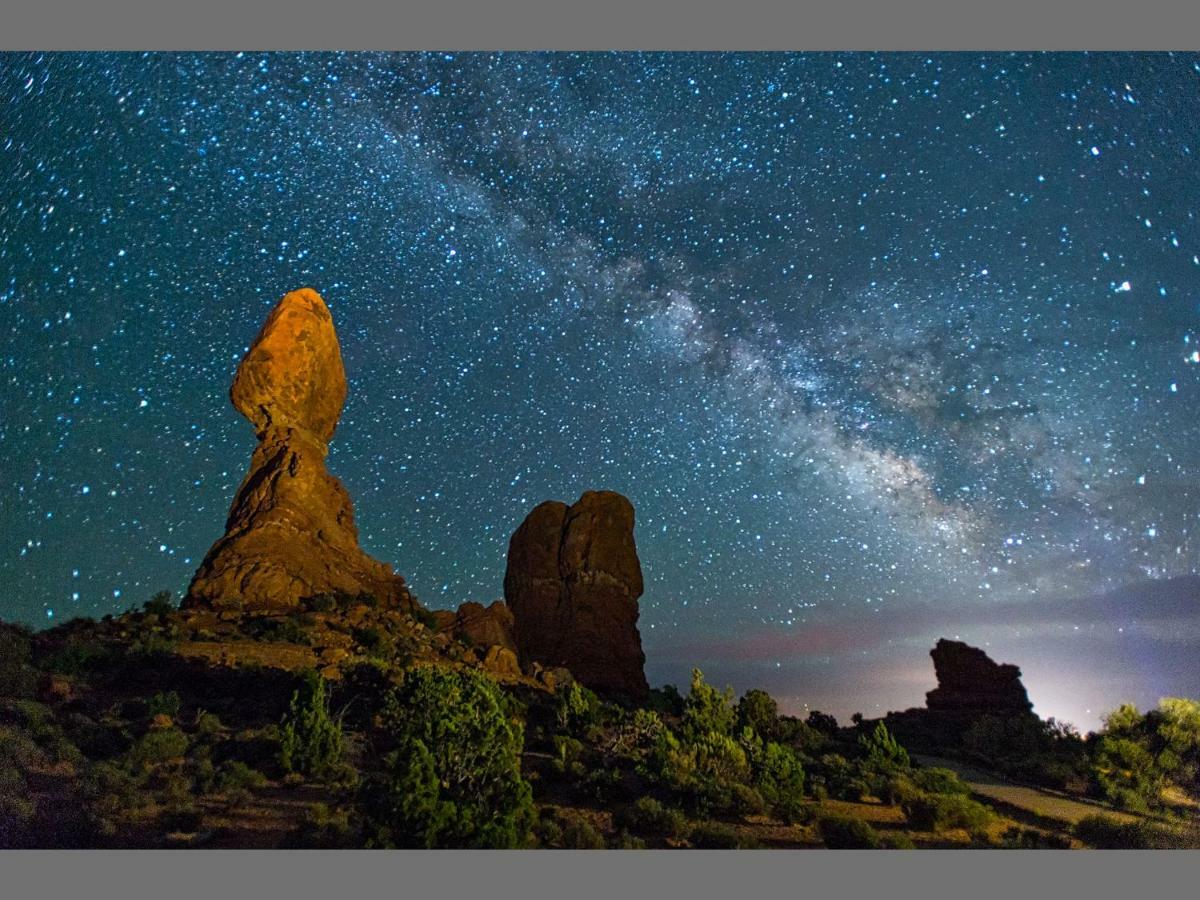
{"points": [[572, 582]]}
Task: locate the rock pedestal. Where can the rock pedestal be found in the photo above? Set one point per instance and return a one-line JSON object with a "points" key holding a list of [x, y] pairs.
{"points": [[290, 532]]}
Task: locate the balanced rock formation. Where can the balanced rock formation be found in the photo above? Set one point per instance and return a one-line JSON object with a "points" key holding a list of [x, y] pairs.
{"points": [[290, 532], [572, 582], [970, 682]]}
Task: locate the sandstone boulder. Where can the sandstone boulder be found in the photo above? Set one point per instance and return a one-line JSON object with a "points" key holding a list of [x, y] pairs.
{"points": [[481, 626], [572, 583], [290, 533]]}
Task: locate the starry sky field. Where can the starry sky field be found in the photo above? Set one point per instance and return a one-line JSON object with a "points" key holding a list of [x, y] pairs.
{"points": [[881, 347]]}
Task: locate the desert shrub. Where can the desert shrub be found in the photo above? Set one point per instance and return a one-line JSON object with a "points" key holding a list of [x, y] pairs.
{"points": [[325, 827], [650, 817], [940, 812], [18, 678], [207, 723], [802, 737], [606, 785], [236, 775], [321, 603], [896, 840], [567, 756], [363, 688], [744, 800], [425, 617], [626, 841], [109, 791], [143, 649], [883, 754], [157, 746], [375, 641], [286, 630], [844, 833], [707, 710], [1126, 773], [166, 704], [795, 810], [1106, 833], [758, 710], [454, 778], [718, 836], [580, 834], [575, 708], [822, 722], [720, 758], [310, 741], [937, 780], [16, 807], [840, 779], [895, 789], [780, 777], [637, 735], [1137, 756], [78, 657], [1019, 838], [161, 604]]}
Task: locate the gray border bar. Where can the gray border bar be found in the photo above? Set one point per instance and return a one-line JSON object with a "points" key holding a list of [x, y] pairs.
{"points": [[600, 25]]}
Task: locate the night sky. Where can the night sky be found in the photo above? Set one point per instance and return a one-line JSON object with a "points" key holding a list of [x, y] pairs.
{"points": [[881, 347]]}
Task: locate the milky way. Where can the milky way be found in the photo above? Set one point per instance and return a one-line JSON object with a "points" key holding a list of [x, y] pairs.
{"points": [[881, 347]]}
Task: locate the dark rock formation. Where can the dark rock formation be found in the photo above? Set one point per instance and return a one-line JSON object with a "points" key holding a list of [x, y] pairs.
{"points": [[290, 532], [572, 582], [481, 626], [969, 681]]}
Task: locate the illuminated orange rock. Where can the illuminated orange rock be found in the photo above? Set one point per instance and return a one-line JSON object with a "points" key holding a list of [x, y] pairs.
{"points": [[290, 532]]}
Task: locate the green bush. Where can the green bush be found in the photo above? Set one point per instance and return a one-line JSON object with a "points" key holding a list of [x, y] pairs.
{"points": [[311, 739], [718, 836], [236, 775], [321, 603], [940, 812], [896, 840], [18, 678], [580, 834], [939, 781], [16, 807], [1018, 838], [666, 701], [843, 833], [375, 642], [759, 711], [884, 755], [282, 630], [166, 704], [454, 777], [1106, 833], [157, 746], [650, 817], [575, 708], [707, 710], [207, 723], [161, 604], [822, 722], [780, 777], [78, 657], [425, 617]]}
